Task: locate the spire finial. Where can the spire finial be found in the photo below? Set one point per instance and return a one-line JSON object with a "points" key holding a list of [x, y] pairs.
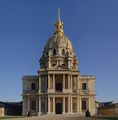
{"points": [[59, 20], [59, 24]]}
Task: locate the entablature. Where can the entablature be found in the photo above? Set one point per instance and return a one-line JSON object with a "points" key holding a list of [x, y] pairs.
{"points": [[87, 77], [30, 77]]}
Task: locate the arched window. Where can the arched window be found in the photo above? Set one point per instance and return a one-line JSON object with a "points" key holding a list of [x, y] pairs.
{"points": [[54, 52], [84, 87], [63, 52], [46, 53], [54, 63]]}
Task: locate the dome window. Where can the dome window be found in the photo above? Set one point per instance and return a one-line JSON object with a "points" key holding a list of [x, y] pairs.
{"points": [[63, 52], [54, 63], [63, 65], [54, 52], [46, 53]]}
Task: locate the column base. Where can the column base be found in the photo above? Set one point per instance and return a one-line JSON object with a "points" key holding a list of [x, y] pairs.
{"points": [[68, 113], [49, 113], [51, 90], [39, 113], [39, 91], [63, 113]]}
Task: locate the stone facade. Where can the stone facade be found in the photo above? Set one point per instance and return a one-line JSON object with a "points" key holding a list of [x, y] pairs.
{"points": [[110, 109], [2, 110], [58, 88]]}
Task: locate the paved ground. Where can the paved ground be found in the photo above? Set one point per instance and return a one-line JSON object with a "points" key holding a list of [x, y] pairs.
{"points": [[57, 117]]}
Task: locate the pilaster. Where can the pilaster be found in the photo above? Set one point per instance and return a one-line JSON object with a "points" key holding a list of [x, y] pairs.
{"points": [[80, 101], [28, 104], [63, 105], [53, 105], [24, 112], [69, 105], [48, 81], [54, 81], [40, 84], [63, 81], [37, 105], [71, 110], [68, 81], [71, 83], [78, 105], [48, 105]]}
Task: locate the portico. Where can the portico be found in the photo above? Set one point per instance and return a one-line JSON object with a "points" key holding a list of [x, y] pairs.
{"points": [[62, 105]]}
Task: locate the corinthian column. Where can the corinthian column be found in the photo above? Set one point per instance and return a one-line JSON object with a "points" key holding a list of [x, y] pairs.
{"points": [[63, 82], [48, 81], [53, 105], [48, 105], [63, 105], [39, 83], [69, 105], [71, 83], [71, 110], [39, 113], [68, 81], [54, 81]]}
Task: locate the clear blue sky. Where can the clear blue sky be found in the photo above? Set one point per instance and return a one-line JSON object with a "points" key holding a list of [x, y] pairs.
{"points": [[91, 25]]}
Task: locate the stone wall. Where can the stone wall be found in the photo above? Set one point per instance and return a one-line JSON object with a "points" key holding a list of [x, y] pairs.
{"points": [[108, 110], [1, 111]]}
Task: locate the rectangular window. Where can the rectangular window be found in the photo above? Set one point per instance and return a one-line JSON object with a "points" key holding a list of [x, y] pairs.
{"points": [[66, 81], [84, 105], [43, 83], [51, 81], [84, 87], [33, 86], [74, 84], [66, 104], [51, 104], [43, 104], [74, 104], [33, 105]]}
